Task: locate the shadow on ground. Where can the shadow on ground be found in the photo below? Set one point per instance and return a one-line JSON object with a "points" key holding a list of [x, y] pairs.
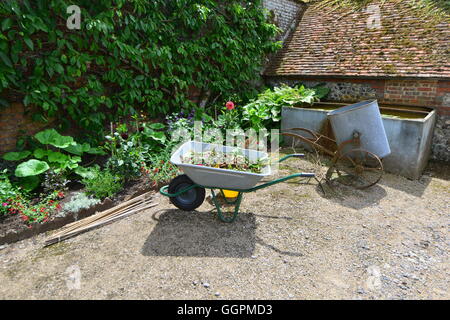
{"points": [[200, 234], [351, 197], [434, 169]]}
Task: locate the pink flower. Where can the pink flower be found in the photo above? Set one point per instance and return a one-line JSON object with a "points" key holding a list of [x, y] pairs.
{"points": [[4, 204], [230, 105]]}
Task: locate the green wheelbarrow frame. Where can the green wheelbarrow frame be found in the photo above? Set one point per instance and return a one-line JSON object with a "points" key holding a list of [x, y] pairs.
{"points": [[238, 200]]}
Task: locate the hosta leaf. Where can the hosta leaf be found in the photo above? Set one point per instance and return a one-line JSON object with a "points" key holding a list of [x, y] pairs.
{"points": [[40, 153], [31, 167], [57, 157], [78, 149], [16, 156], [96, 151], [51, 136]]}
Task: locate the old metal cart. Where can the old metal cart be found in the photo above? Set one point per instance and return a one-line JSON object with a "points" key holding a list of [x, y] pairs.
{"points": [[187, 191], [360, 144]]}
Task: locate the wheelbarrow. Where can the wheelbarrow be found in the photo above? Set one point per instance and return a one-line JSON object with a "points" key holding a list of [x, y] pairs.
{"points": [[187, 191]]}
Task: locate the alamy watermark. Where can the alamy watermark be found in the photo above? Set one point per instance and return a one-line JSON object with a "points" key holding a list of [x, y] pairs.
{"points": [[74, 20], [73, 280], [374, 19]]}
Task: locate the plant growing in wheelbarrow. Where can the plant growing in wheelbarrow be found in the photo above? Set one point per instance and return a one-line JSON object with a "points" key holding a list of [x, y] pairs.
{"points": [[187, 191]]}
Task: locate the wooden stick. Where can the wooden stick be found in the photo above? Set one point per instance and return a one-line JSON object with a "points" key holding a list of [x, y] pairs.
{"points": [[97, 224], [106, 212], [92, 218], [137, 202], [62, 237]]}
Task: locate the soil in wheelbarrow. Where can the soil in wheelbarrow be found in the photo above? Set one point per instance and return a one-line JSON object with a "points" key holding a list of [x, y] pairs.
{"points": [[230, 161]]}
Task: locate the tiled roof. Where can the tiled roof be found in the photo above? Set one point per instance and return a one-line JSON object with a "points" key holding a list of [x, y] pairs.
{"points": [[341, 42]]}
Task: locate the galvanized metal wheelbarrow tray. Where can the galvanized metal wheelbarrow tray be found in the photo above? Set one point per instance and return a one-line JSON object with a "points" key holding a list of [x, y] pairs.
{"points": [[187, 192]]}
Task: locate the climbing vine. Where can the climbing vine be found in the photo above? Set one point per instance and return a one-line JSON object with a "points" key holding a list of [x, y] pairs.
{"points": [[128, 56]]}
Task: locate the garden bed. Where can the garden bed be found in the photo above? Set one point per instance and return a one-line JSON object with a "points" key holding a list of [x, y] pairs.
{"points": [[13, 228]]}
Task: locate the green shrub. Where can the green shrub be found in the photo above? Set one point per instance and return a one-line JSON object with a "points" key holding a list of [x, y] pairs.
{"points": [[265, 111], [14, 201], [129, 149], [52, 151], [159, 169], [103, 184], [129, 56], [8, 193]]}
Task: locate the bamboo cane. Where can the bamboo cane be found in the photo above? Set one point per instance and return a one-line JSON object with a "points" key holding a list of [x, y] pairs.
{"points": [[64, 236], [92, 218], [105, 221], [138, 203], [106, 212]]}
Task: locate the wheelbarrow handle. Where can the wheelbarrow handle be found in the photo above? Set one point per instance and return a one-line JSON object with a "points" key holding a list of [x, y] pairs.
{"points": [[294, 155]]}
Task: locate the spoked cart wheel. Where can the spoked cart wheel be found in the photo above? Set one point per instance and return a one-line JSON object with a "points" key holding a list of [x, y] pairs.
{"points": [[358, 168], [189, 200]]}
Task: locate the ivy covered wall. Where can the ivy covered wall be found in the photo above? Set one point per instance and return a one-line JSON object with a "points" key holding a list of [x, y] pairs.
{"points": [[128, 56]]}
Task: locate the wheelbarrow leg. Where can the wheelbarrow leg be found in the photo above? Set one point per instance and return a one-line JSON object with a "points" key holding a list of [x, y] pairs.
{"points": [[236, 203]]}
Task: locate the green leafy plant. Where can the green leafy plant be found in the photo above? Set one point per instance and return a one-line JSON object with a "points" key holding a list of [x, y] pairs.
{"points": [[7, 193], [31, 167], [129, 56], [39, 212], [54, 151], [15, 201], [159, 169], [103, 184], [129, 149], [265, 110], [16, 156], [230, 117]]}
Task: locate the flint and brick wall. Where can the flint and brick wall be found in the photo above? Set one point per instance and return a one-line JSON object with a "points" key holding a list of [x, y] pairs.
{"points": [[427, 93]]}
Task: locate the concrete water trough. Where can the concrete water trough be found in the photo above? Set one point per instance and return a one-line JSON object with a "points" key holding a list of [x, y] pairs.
{"points": [[409, 131]]}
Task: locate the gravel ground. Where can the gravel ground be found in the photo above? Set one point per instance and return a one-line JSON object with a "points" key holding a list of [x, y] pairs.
{"points": [[291, 241]]}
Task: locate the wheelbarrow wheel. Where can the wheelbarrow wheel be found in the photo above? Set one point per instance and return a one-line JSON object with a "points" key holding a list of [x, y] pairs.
{"points": [[189, 200]]}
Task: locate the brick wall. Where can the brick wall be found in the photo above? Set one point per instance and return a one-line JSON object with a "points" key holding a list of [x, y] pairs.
{"points": [[427, 93], [14, 123], [415, 93]]}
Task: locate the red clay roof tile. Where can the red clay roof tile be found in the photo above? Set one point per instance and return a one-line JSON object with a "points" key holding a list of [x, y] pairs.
{"points": [[339, 43]]}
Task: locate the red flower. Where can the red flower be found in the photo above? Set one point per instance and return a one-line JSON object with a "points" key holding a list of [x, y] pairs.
{"points": [[230, 105], [60, 194]]}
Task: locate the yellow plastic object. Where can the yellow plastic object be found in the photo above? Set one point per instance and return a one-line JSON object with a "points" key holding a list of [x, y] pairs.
{"points": [[230, 193]]}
